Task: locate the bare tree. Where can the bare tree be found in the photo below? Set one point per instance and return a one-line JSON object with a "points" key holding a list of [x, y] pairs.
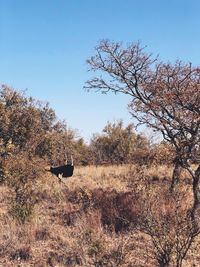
{"points": [[164, 96]]}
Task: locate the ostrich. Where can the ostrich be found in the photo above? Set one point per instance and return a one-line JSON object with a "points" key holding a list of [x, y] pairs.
{"points": [[63, 171]]}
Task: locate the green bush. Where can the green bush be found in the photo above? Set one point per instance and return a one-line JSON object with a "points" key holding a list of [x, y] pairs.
{"points": [[21, 211]]}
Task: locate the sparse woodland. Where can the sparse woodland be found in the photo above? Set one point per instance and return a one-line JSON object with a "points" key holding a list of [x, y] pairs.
{"points": [[130, 202]]}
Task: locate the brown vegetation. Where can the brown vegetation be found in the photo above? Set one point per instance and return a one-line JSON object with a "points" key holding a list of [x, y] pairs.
{"points": [[86, 222], [121, 215]]}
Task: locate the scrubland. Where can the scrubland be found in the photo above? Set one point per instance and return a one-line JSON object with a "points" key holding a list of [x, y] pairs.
{"points": [[102, 216]]}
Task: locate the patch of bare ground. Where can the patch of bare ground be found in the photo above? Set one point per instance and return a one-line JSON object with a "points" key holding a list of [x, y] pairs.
{"points": [[102, 216]]}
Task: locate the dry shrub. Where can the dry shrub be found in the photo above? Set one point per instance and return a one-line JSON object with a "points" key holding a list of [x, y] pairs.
{"points": [[69, 260], [21, 254], [21, 176], [69, 218], [99, 247], [167, 220], [41, 234], [21, 212], [6, 234], [119, 211], [149, 208], [82, 197], [91, 238], [23, 170]]}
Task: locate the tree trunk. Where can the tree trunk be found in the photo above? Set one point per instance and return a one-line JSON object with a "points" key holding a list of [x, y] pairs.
{"points": [[179, 262], [176, 175], [196, 195]]}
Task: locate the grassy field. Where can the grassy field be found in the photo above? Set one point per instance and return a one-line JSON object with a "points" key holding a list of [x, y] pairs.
{"points": [[91, 219]]}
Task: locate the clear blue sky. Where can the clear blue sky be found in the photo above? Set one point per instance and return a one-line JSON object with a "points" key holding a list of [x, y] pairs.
{"points": [[44, 45]]}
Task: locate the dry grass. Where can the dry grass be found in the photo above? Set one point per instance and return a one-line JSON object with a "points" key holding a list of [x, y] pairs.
{"points": [[66, 228]]}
